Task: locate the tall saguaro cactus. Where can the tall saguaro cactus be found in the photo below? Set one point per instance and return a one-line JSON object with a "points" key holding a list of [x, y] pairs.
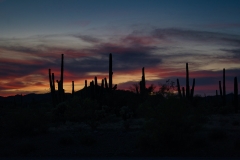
{"points": [[105, 82], [61, 85], [85, 83], [51, 85], [187, 81], [186, 92], [143, 80], [50, 79], [143, 83], [192, 90], [179, 89], [224, 88], [110, 72], [72, 88], [220, 89], [183, 90]]}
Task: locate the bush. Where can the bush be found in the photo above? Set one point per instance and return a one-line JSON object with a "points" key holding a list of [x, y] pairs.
{"points": [[25, 121], [75, 110], [170, 125], [87, 139], [66, 141], [217, 135]]}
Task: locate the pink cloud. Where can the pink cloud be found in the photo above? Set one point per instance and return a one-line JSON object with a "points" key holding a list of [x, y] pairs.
{"points": [[139, 40]]}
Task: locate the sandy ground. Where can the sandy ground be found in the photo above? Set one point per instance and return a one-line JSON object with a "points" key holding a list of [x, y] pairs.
{"points": [[221, 134]]}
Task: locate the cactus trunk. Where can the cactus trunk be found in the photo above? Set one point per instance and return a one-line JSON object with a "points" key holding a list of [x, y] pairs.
{"points": [[60, 83], [179, 89], [187, 81], [72, 88], [143, 81], [85, 83], [51, 82], [183, 91], [106, 84], [110, 72], [192, 90], [224, 88], [220, 89]]}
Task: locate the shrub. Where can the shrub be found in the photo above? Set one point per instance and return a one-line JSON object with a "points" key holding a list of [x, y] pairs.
{"points": [[66, 141], [217, 135], [170, 125], [25, 122], [87, 139]]}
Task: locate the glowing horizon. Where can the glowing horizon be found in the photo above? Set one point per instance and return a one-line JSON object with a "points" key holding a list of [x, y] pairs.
{"points": [[161, 36]]}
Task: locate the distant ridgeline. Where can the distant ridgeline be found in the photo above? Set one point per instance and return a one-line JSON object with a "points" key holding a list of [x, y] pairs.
{"points": [[105, 92]]}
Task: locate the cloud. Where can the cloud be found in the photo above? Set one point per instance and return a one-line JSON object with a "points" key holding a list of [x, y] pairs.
{"points": [[87, 38], [139, 40], [160, 51], [194, 35]]}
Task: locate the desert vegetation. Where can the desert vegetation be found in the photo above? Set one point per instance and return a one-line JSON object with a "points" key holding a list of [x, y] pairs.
{"points": [[171, 122]]}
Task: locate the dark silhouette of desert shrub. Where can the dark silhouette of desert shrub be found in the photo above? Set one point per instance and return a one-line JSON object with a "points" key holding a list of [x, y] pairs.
{"points": [[26, 121], [87, 139], [75, 110], [66, 140], [237, 144], [170, 125], [26, 148], [235, 123], [167, 89], [217, 135], [224, 110]]}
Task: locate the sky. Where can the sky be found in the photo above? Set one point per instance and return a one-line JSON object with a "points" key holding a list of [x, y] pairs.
{"points": [[160, 35]]}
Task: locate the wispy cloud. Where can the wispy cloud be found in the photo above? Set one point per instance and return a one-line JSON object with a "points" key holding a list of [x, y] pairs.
{"points": [[199, 36], [162, 52], [87, 38]]}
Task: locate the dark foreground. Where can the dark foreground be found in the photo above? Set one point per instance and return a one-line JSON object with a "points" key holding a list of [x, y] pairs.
{"points": [[220, 138]]}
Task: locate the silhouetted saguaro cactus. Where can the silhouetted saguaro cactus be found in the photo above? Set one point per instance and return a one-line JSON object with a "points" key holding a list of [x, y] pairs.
{"points": [[54, 92], [224, 88], [179, 89], [192, 90], [235, 94], [92, 89], [51, 83], [72, 88], [85, 83], [220, 89], [187, 81], [102, 84], [110, 72], [61, 84], [140, 84], [183, 90], [95, 80], [143, 81], [95, 85], [50, 79], [59, 91], [106, 84]]}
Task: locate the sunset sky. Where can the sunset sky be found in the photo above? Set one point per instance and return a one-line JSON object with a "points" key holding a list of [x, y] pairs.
{"points": [[160, 35]]}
